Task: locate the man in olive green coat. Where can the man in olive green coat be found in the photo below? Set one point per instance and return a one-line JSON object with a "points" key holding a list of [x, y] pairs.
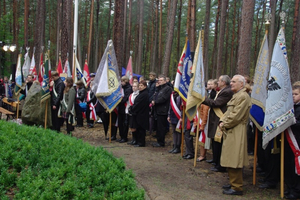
{"points": [[234, 127]]}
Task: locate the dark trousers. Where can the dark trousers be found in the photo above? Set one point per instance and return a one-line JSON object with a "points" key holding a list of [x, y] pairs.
{"points": [[161, 129], [217, 150], [87, 114], [260, 151], [123, 125], [140, 135], [176, 136], [69, 126], [272, 163], [189, 147], [291, 179], [105, 121], [79, 117], [56, 121]]}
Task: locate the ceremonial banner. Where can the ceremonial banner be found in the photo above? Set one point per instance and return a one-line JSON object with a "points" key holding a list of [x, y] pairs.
{"points": [[186, 74], [179, 69], [45, 84], [107, 83], [26, 66], [279, 114], [129, 71], [19, 78], [196, 90], [86, 71], [59, 67], [32, 69], [259, 91], [42, 70], [79, 74], [67, 68]]}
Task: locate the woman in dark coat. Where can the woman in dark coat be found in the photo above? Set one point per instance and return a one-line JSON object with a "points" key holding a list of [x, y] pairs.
{"points": [[140, 114]]}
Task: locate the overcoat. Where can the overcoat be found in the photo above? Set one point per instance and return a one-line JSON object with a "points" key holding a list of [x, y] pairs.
{"points": [[220, 102], [234, 149], [140, 111]]}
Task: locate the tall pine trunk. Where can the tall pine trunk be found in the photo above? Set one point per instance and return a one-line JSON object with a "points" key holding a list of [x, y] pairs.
{"points": [[295, 61], [118, 32], [244, 53], [170, 34], [206, 38], [140, 46], [221, 38]]}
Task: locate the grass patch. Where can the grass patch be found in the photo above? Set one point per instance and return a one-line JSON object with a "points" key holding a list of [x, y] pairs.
{"points": [[41, 164]]}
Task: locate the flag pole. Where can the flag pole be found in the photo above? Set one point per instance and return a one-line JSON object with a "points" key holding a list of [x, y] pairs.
{"points": [[182, 129], [197, 138], [283, 18], [75, 36], [109, 127], [46, 109], [282, 166], [255, 157]]}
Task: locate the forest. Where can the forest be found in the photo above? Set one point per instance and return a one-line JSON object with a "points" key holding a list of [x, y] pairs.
{"points": [[154, 30]]}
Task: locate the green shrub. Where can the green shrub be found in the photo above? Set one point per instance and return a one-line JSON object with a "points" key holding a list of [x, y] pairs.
{"points": [[41, 164]]}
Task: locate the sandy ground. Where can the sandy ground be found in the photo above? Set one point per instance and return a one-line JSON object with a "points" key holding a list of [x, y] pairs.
{"points": [[166, 176]]}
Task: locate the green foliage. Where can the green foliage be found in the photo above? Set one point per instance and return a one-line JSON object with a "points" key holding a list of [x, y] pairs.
{"points": [[41, 164]]}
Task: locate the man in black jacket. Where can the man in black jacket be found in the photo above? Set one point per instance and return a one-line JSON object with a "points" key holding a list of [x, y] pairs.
{"points": [[122, 118], [80, 97], [151, 85], [56, 96], [161, 102]]}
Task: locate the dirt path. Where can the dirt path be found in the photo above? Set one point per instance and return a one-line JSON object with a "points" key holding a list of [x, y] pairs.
{"points": [[166, 176]]}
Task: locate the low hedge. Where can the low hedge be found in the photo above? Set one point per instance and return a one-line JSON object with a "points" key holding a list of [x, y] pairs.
{"points": [[41, 164]]}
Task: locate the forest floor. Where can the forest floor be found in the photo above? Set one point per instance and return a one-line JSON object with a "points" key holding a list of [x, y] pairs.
{"points": [[166, 176]]}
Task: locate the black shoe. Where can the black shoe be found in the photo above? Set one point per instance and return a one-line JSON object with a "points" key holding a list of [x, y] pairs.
{"points": [[291, 196], [261, 180], [210, 161], [188, 157], [113, 138], [106, 138], [259, 170], [267, 186], [226, 186], [79, 125], [118, 140], [232, 192], [131, 142], [155, 136], [171, 151], [287, 192], [157, 145], [176, 150], [139, 145], [123, 140], [251, 153], [217, 169]]}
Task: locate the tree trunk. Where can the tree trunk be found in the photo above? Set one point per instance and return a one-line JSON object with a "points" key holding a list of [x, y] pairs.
{"points": [[232, 53], [126, 52], [221, 38], [67, 39], [108, 23], [272, 34], [58, 29], [129, 29], [295, 61], [90, 32], [193, 26], [96, 62], [215, 50], [206, 38], [140, 46], [244, 53], [188, 20], [39, 32], [26, 15], [225, 68], [170, 34], [158, 67], [118, 32], [155, 40]]}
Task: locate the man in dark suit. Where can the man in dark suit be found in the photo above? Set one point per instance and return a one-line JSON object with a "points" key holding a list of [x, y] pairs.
{"points": [[218, 107], [161, 102]]}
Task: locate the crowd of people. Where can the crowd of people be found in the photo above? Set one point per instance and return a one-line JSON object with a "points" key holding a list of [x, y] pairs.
{"points": [[154, 106]]}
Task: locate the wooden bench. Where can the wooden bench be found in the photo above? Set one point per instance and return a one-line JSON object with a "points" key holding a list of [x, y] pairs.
{"points": [[6, 112], [14, 104]]}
